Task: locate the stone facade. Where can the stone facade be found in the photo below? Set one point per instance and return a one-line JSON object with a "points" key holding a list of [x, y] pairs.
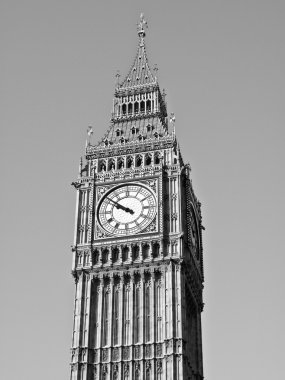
{"points": [[138, 298]]}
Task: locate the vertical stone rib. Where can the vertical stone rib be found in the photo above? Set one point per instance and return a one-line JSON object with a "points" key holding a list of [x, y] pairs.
{"points": [[142, 309], [79, 298], [87, 310], [131, 309], [178, 301], [110, 319], [163, 287], [99, 315], [121, 321], [152, 308], [76, 225]]}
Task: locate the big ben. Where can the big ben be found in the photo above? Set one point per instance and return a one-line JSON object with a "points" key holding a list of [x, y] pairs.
{"points": [[137, 251]]}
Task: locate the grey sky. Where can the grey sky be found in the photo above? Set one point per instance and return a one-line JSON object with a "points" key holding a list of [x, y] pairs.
{"points": [[222, 65]]}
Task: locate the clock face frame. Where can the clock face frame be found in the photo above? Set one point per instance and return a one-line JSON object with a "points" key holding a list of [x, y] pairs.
{"points": [[127, 209]]}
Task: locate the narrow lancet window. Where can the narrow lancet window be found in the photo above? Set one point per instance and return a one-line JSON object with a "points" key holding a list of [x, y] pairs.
{"points": [[105, 317], [116, 317], [147, 313]]}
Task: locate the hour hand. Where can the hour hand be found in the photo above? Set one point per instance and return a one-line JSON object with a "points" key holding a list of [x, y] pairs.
{"points": [[118, 206], [121, 207]]}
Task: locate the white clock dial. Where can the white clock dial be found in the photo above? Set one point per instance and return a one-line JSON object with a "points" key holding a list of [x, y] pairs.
{"points": [[127, 209]]}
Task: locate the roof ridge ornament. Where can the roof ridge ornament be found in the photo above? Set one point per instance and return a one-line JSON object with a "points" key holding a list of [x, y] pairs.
{"points": [[141, 24]]}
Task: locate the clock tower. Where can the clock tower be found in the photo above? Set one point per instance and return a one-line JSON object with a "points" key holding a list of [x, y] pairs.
{"points": [[137, 253]]}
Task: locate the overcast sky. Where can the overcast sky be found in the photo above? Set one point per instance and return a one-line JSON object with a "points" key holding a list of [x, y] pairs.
{"points": [[222, 65]]}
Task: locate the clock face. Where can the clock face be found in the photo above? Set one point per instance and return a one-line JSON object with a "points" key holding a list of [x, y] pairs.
{"points": [[127, 209]]}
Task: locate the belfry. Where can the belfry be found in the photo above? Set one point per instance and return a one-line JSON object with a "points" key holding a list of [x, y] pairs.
{"points": [[137, 251]]}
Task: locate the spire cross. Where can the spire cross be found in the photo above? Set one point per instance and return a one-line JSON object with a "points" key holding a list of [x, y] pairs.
{"points": [[142, 23]]}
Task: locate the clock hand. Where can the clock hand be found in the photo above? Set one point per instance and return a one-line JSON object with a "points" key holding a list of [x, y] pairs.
{"points": [[118, 206]]}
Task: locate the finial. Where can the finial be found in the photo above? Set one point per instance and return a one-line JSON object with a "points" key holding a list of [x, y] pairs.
{"points": [[172, 121], [89, 133], [118, 77], [141, 24], [155, 69]]}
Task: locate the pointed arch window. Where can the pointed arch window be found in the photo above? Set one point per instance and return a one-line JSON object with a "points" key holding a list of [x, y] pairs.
{"points": [[148, 106], [135, 252], [137, 313], [106, 316], [126, 306], [158, 309], [124, 109], [105, 255], [147, 312], [133, 130], [136, 107], [155, 249], [125, 253], [111, 164], [116, 317], [102, 166], [142, 106], [115, 254], [138, 161], [130, 161], [118, 132], [145, 251], [157, 158], [120, 163], [130, 108], [156, 135], [148, 159]]}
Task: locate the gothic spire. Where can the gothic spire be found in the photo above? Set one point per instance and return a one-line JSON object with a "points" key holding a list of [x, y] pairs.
{"points": [[140, 73]]}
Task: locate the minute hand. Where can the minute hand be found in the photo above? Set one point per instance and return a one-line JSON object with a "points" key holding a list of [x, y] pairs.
{"points": [[118, 206]]}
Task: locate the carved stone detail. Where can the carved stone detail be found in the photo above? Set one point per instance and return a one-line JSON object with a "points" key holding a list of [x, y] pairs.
{"points": [[116, 354], [126, 353], [105, 355], [137, 352]]}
